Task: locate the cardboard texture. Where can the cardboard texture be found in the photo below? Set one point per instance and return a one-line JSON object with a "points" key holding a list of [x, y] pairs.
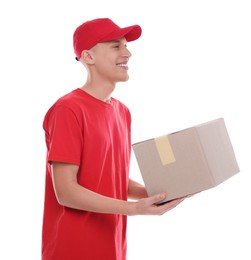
{"points": [[188, 161]]}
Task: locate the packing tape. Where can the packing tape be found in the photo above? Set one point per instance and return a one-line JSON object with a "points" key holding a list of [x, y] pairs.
{"points": [[164, 149]]}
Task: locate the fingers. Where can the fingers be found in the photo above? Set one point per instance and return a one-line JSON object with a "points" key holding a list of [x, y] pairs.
{"points": [[169, 205], [148, 205], [156, 198]]}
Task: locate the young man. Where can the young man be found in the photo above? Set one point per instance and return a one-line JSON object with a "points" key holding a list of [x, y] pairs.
{"points": [[88, 143]]}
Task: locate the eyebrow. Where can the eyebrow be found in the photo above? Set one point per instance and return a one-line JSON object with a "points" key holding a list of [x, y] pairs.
{"points": [[118, 41]]}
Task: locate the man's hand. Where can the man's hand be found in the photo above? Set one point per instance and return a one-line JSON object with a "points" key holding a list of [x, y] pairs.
{"points": [[147, 206]]}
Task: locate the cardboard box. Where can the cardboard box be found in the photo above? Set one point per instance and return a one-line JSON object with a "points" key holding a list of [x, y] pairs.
{"points": [[187, 161]]}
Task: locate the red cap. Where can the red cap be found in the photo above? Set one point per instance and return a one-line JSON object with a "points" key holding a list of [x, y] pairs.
{"points": [[99, 30]]}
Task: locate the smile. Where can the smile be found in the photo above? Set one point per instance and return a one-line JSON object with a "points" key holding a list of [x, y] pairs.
{"points": [[123, 65]]}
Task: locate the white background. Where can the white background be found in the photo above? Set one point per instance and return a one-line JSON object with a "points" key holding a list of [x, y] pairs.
{"points": [[191, 65]]}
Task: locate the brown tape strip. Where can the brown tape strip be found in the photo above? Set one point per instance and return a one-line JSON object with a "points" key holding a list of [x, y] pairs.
{"points": [[164, 149]]}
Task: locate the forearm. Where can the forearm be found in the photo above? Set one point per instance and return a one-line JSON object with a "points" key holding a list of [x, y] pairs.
{"points": [[81, 198], [78, 197], [84, 199], [136, 190], [70, 194]]}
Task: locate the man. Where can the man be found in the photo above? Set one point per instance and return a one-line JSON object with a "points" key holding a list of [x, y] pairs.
{"points": [[88, 143]]}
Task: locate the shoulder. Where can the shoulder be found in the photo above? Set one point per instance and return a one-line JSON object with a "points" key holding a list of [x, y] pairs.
{"points": [[121, 109], [65, 106], [119, 105], [69, 101], [69, 98]]}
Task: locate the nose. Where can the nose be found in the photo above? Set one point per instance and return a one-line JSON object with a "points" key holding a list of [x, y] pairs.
{"points": [[126, 52]]}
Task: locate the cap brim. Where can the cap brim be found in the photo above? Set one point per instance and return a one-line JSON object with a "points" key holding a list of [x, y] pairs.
{"points": [[131, 33]]}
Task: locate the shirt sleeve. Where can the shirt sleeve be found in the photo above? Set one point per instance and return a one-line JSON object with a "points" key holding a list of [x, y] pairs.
{"points": [[64, 136]]}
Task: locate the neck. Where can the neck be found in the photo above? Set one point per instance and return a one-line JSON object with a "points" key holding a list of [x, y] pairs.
{"points": [[100, 91]]}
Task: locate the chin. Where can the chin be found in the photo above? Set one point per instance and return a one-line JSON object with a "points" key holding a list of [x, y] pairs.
{"points": [[125, 79]]}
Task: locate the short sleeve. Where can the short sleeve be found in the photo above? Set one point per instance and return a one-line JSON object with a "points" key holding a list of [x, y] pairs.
{"points": [[64, 137]]}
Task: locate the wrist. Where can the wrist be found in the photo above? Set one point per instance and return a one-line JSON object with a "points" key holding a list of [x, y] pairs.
{"points": [[131, 208]]}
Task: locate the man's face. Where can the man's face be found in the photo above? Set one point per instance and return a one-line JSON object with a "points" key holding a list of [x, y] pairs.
{"points": [[111, 60]]}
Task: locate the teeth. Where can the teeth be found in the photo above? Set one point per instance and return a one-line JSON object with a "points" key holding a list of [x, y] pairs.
{"points": [[122, 65]]}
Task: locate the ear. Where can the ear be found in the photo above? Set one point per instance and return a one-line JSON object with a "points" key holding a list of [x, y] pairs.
{"points": [[87, 57]]}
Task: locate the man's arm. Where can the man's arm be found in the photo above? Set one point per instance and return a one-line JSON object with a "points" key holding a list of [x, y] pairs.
{"points": [[70, 194], [136, 190]]}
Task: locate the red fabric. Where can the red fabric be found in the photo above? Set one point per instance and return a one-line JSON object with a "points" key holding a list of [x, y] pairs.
{"points": [[83, 130], [99, 30]]}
